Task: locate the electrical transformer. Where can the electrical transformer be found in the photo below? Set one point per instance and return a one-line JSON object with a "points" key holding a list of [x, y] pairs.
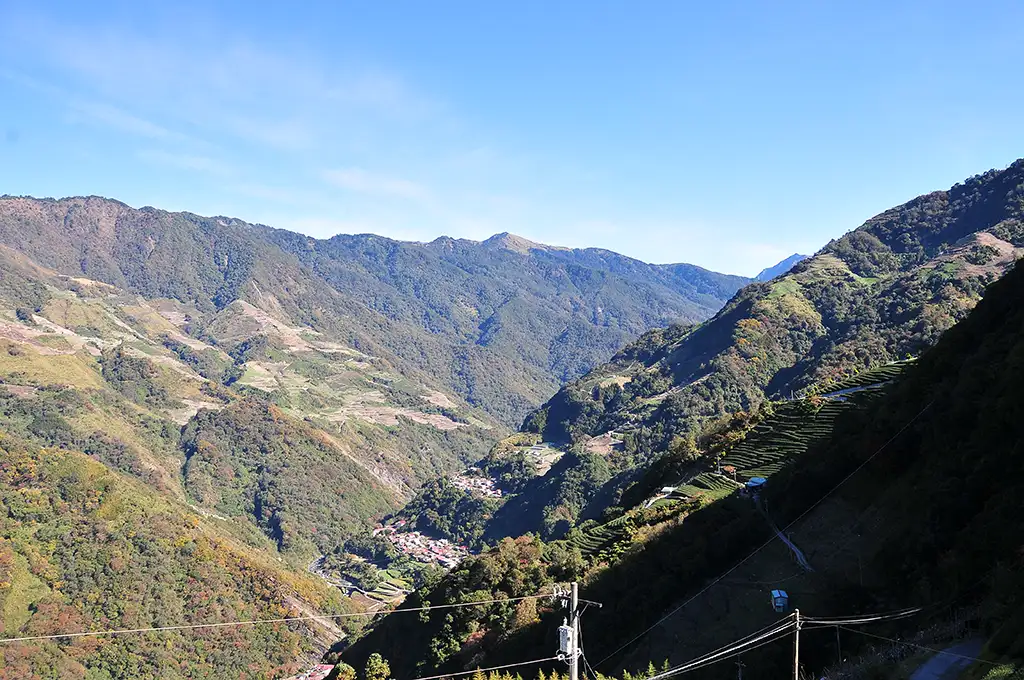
{"points": [[565, 639]]}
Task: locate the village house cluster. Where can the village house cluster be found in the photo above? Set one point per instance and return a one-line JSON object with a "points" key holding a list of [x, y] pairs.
{"points": [[423, 548], [318, 672], [484, 486]]}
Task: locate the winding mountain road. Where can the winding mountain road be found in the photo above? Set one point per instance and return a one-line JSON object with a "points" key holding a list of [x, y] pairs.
{"points": [[797, 552]]}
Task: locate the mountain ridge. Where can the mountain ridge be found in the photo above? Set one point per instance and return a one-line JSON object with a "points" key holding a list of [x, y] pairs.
{"points": [[891, 287], [426, 314], [769, 273], [905, 496]]}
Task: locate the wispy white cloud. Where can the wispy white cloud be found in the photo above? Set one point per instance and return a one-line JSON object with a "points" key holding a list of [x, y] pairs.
{"points": [[290, 134], [184, 161], [215, 82], [274, 194], [121, 120], [365, 182]]}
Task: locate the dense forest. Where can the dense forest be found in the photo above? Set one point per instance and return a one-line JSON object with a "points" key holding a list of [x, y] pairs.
{"points": [[881, 293], [884, 292], [501, 323], [81, 548], [203, 420], [921, 492]]}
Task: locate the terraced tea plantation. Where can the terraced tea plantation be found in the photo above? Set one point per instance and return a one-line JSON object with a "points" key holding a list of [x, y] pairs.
{"points": [[767, 448], [795, 425], [875, 376], [708, 484], [602, 537]]}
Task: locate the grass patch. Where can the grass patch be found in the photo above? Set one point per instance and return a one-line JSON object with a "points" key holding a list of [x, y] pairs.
{"points": [[26, 589]]}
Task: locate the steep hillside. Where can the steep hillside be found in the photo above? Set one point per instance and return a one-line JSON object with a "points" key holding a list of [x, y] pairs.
{"points": [[907, 496], [510, 320], [688, 497], [248, 416], [930, 520], [501, 323], [82, 548], [883, 292]]}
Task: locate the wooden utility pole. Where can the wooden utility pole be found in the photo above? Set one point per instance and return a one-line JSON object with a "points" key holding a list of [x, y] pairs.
{"points": [[739, 669], [796, 646]]}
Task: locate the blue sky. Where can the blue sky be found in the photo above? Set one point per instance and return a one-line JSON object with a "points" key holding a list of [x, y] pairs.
{"points": [[726, 134]]}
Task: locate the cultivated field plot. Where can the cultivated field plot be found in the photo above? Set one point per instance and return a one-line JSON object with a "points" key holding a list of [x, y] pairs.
{"points": [[766, 449]]}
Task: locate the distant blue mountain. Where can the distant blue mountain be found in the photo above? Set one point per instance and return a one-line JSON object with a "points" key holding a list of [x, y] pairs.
{"points": [[781, 268]]}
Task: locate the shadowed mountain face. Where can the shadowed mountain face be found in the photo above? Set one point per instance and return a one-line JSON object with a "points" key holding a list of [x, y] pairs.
{"points": [[501, 323]]}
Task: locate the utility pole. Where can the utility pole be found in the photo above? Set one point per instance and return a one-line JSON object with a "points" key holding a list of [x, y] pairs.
{"points": [[796, 646], [574, 623], [569, 647], [739, 669], [568, 632]]}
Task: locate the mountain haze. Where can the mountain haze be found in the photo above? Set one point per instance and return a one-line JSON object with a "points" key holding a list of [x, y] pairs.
{"points": [[770, 273]]}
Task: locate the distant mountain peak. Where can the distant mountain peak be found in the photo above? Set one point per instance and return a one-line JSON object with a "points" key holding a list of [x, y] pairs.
{"points": [[781, 268], [517, 243]]}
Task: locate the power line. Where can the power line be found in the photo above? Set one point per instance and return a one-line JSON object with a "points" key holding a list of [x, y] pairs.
{"points": [[770, 540], [730, 650], [486, 670], [737, 653], [586, 663], [725, 647], [864, 618], [927, 649], [765, 636], [290, 619]]}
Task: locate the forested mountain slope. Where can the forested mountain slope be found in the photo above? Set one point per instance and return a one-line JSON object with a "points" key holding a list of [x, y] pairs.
{"points": [[82, 549], [907, 499], [209, 373], [508, 320], [931, 519], [882, 292], [238, 411], [501, 323], [260, 440]]}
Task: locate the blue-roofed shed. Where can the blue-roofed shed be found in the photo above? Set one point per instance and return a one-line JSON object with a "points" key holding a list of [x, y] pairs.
{"points": [[780, 601]]}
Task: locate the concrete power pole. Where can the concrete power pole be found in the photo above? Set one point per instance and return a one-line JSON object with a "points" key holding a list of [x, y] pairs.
{"points": [[796, 646], [574, 622], [570, 648]]}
